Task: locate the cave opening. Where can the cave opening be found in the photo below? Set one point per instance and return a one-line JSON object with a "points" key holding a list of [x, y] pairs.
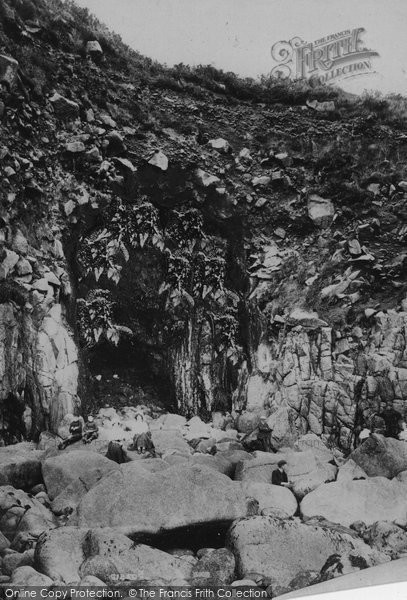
{"points": [[13, 428], [128, 374]]}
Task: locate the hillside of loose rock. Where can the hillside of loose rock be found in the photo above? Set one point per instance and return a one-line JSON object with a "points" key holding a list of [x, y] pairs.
{"points": [[188, 243]]}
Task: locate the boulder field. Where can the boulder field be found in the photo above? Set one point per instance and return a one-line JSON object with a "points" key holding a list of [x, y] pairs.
{"points": [[74, 516]]}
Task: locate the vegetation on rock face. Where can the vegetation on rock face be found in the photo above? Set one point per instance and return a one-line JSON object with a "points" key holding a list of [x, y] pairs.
{"points": [[95, 318], [125, 227]]}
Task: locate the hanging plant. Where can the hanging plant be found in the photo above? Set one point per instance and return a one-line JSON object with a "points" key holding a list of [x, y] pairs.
{"points": [[95, 319]]}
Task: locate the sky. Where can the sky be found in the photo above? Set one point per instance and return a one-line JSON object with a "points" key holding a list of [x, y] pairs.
{"points": [[237, 35]]}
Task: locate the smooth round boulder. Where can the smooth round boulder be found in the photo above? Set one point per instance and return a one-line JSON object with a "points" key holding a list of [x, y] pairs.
{"points": [[20, 465], [367, 500], [36, 520], [169, 421], [281, 548], [29, 577], [197, 495], [68, 467], [381, 456], [20, 513], [275, 500], [14, 560], [59, 553], [169, 441], [100, 567]]}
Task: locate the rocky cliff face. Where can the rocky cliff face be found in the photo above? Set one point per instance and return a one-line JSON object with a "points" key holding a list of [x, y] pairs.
{"points": [[184, 238], [326, 380], [39, 358]]}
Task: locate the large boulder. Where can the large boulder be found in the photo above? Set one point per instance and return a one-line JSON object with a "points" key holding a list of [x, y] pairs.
{"points": [[381, 456], [349, 471], [169, 441], [280, 549], [273, 500], [141, 562], [29, 577], [368, 500], [305, 469], [19, 512], [168, 421], [101, 567], [59, 553], [247, 421], [393, 572], [196, 495], [68, 467], [14, 560], [69, 554], [35, 520], [105, 542], [66, 502], [109, 554], [20, 465], [197, 429]]}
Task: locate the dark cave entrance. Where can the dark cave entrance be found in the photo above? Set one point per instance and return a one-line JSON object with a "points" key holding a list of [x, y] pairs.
{"points": [[12, 425], [128, 374]]}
